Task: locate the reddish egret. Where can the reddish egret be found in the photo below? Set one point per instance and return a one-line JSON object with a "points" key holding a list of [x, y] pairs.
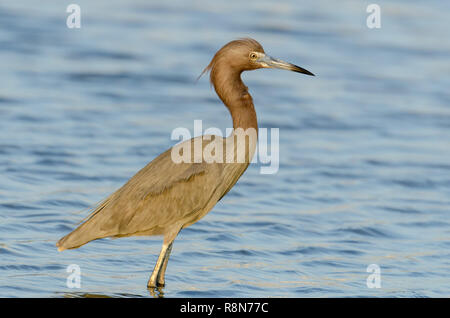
{"points": [[165, 197]]}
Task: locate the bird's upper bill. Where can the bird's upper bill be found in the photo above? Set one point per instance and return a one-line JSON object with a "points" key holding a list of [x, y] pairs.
{"points": [[267, 61]]}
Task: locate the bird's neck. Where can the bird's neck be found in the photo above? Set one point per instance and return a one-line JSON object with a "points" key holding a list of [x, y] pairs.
{"points": [[234, 94]]}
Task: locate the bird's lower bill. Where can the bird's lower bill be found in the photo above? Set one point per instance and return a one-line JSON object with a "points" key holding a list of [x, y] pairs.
{"points": [[271, 62]]}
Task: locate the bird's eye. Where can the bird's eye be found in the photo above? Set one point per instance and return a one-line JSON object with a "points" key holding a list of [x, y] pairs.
{"points": [[253, 56]]}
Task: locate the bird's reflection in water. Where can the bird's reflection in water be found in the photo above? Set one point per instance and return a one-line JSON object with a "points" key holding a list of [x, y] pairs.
{"points": [[156, 292]]}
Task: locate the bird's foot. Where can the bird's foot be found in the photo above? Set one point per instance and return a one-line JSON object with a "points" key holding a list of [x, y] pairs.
{"points": [[156, 292], [161, 284], [155, 285]]}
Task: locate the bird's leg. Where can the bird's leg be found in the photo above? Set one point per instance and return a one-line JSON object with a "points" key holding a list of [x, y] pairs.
{"points": [[162, 271], [157, 277], [152, 282]]}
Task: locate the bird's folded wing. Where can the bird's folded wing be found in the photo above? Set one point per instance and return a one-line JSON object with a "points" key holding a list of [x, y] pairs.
{"points": [[161, 193]]}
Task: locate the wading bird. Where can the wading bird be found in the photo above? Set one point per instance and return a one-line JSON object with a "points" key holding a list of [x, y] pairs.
{"points": [[166, 196]]}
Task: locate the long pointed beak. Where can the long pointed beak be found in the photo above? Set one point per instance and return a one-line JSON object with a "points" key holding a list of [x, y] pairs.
{"points": [[270, 62]]}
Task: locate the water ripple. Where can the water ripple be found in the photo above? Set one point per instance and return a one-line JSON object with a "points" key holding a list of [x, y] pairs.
{"points": [[364, 150]]}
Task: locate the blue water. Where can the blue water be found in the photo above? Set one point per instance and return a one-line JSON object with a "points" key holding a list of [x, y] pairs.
{"points": [[364, 174]]}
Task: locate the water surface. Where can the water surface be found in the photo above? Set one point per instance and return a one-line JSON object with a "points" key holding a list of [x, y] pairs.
{"points": [[364, 174]]}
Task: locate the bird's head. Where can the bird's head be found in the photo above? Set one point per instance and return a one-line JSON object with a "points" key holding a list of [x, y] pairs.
{"points": [[245, 55]]}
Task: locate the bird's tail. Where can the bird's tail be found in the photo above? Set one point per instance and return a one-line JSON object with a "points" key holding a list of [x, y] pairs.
{"points": [[86, 232], [71, 240], [78, 237]]}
